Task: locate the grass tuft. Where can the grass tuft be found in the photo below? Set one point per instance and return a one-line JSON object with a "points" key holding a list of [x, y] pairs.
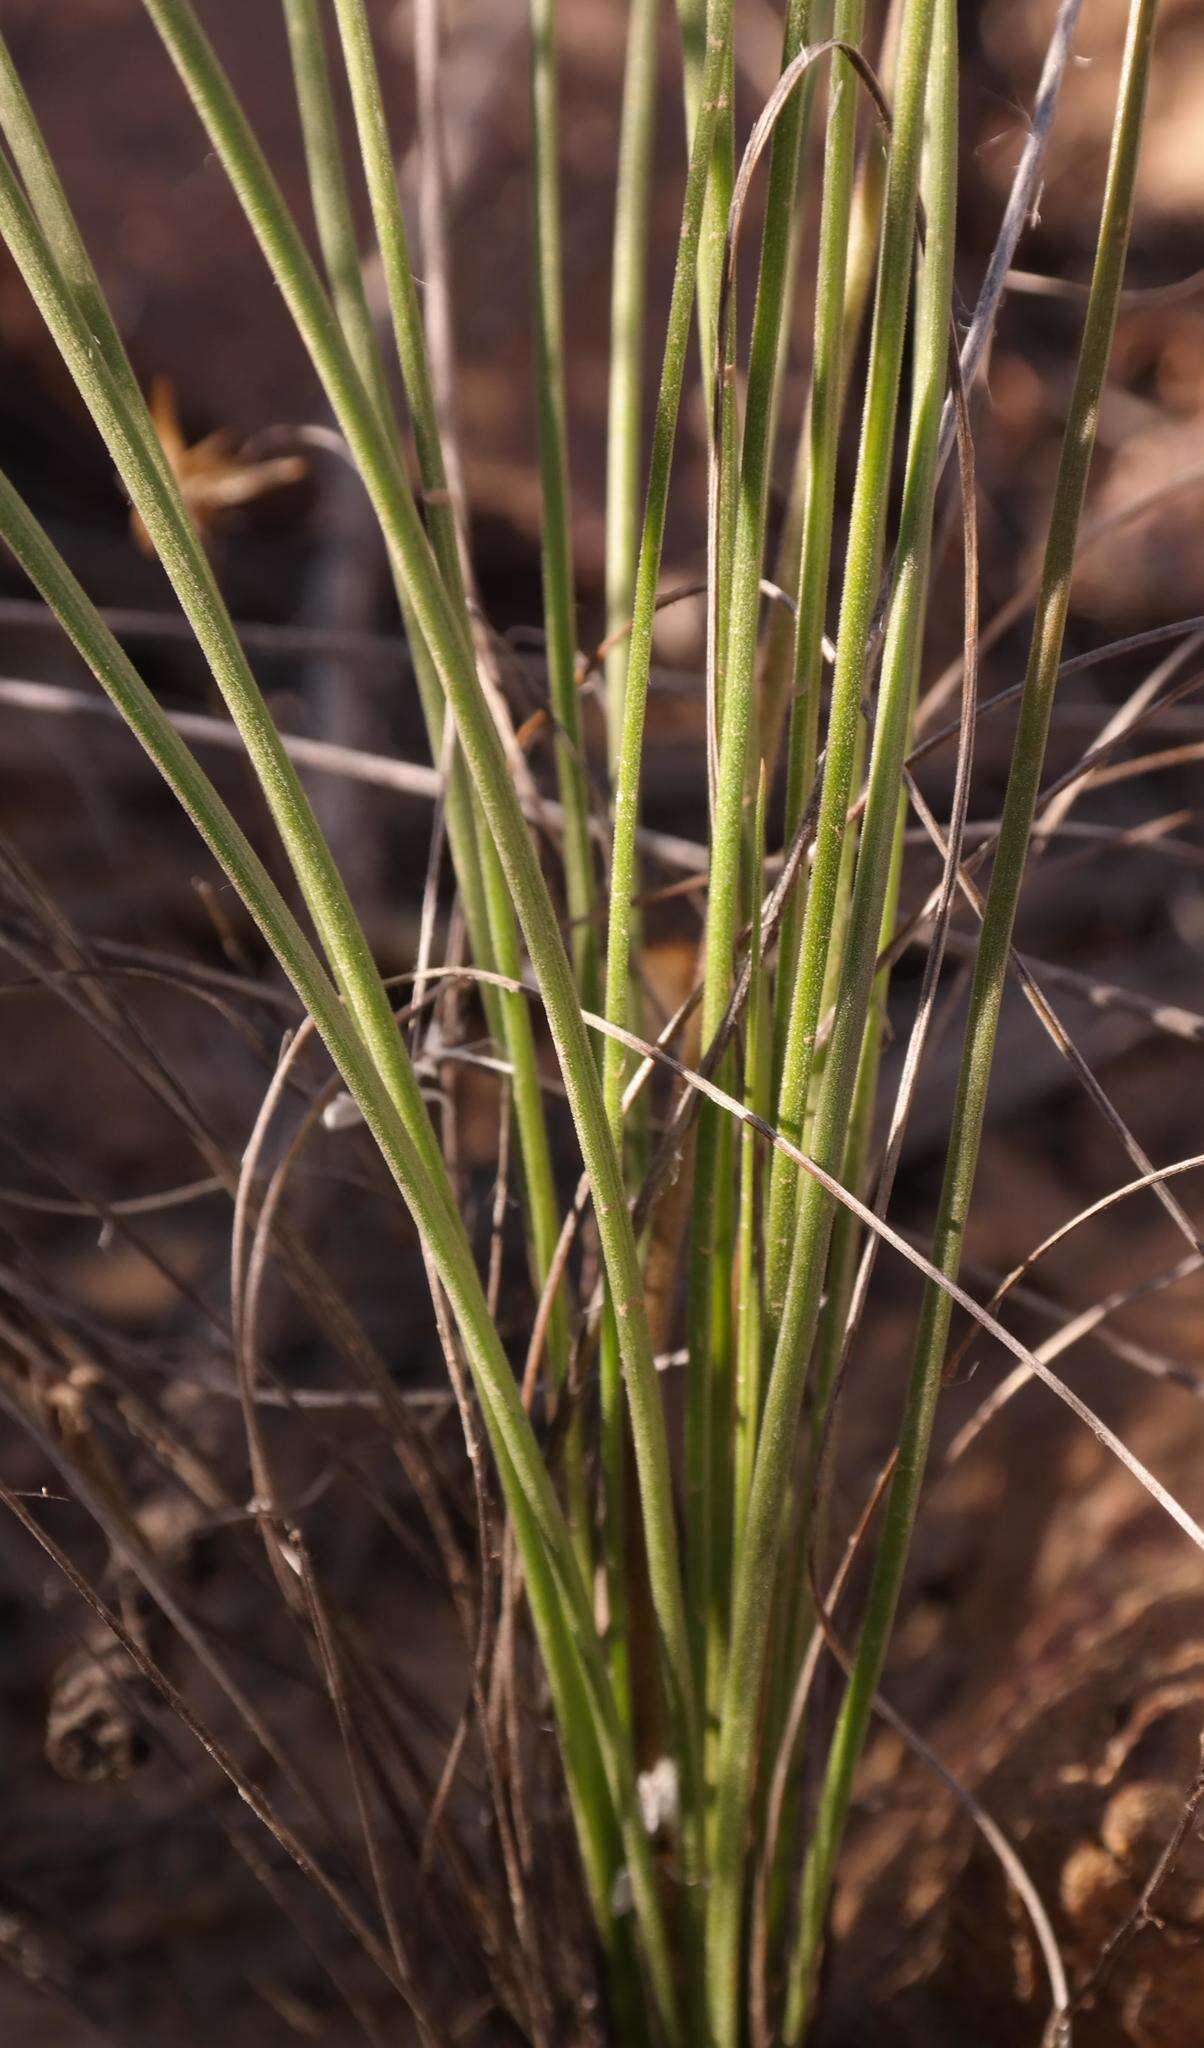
{"points": [[664, 1558]]}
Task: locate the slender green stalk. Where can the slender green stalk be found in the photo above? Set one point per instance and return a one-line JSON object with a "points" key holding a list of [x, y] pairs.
{"points": [[985, 998], [539, 1183], [709, 98], [558, 600], [769, 318], [724, 433], [770, 1493], [709, 1321], [613, 1533], [777, 689], [623, 854], [710, 1401], [709, 1310], [328, 191], [628, 301], [405, 308], [482, 747], [842, 898], [847, 1230], [628, 296], [626, 804], [799, 996], [630, 759], [750, 1333]]}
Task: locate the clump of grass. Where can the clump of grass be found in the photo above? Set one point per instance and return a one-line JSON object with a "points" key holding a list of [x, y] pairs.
{"points": [[671, 1584]]}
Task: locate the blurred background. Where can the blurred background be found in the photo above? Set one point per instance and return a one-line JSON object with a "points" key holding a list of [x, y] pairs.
{"points": [[125, 1914]]}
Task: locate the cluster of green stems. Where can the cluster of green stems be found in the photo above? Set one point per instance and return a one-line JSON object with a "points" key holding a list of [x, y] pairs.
{"points": [[792, 1005]]}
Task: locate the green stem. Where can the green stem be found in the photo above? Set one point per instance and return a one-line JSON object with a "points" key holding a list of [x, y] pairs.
{"points": [[558, 599], [750, 1327], [778, 685], [328, 192], [749, 545], [628, 295], [799, 995], [708, 98], [623, 851], [842, 898], [624, 432], [985, 999], [405, 309]]}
